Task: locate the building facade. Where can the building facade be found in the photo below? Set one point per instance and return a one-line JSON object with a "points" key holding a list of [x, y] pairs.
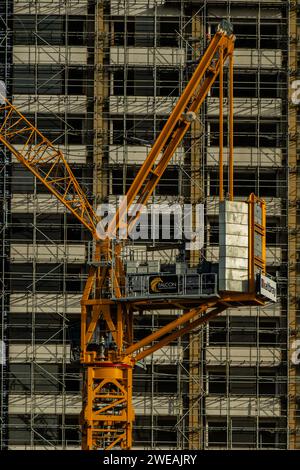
{"points": [[99, 78]]}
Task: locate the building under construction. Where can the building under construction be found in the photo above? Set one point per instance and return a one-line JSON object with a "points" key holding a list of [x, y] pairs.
{"points": [[99, 79]]}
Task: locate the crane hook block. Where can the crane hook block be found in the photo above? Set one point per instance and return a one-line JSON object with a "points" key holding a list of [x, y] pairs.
{"points": [[225, 27]]}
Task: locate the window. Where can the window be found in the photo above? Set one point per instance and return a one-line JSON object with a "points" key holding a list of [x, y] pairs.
{"points": [[217, 332], [268, 332], [72, 379], [271, 35], [268, 183], [213, 233], [244, 85], [242, 331], [77, 81], [22, 180], [244, 182], [141, 83], [45, 378], [49, 30], [72, 430], [41, 30], [44, 79], [168, 32], [137, 31], [217, 383], [268, 382], [144, 31], [49, 80], [169, 183], [47, 328], [272, 435], [20, 428], [217, 434], [269, 135], [22, 228], [168, 82], [242, 381], [243, 433], [246, 33], [272, 231], [139, 130], [250, 85], [245, 134], [272, 85]]}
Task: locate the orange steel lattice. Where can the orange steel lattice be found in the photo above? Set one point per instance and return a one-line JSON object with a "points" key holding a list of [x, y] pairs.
{"points": [[38, 155]]}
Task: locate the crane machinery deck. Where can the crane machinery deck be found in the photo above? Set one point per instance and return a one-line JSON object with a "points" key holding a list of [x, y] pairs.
{"points": [[115, 288]]}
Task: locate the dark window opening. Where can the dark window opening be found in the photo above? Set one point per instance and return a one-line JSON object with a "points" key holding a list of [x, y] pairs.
{"points": [[50, 30], [168, 29], [141, 83], [271, 36], [217, 332], [217, 434]]}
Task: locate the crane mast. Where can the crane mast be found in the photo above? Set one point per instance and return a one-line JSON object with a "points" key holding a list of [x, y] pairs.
{"points": [[108, 358]]}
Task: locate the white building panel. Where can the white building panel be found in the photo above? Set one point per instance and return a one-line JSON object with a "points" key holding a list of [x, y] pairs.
{"points": [[267, 311], [166, 355], [50, 7], [72, 153], [233, 246], [169, 405], [273, 205], [71, 55], [247, 156], [134, 154], [157, 199], [247, 107], [45, 303], [54, 404], [46, 253], [273, 255], [266, 58], [161, 105], [148, 56], [140, 8], [243, 356], [45, 404], [236, 12], [53, 104], [243, 406], [40, 203], [40, 353]]}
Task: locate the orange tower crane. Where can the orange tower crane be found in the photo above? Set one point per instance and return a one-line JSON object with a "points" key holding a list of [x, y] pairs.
{"points": [[108, 415]]}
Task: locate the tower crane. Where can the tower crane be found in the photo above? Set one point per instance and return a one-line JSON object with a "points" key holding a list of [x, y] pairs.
{"points": [[112, 294]]}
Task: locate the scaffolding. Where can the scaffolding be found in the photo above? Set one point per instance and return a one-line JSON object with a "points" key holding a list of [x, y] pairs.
{"points": [[99, 79]]}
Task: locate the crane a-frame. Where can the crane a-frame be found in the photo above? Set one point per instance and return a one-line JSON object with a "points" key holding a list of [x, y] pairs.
{"points": [[108, 415]]}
